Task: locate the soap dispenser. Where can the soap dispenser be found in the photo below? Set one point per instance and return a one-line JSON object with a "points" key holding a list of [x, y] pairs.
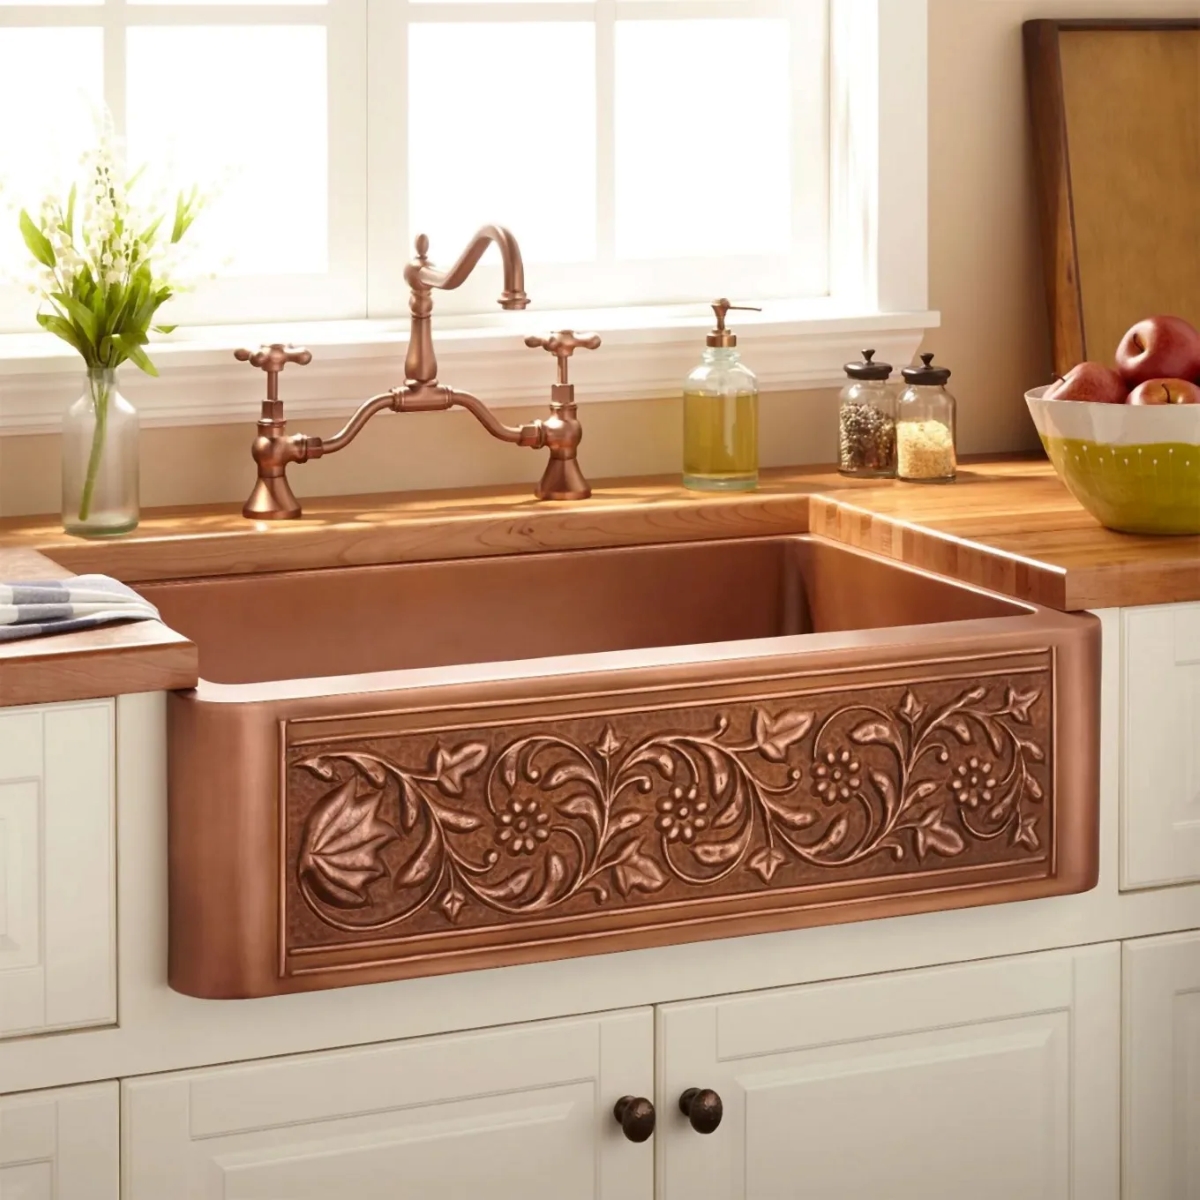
{"points": [[720, 415]]}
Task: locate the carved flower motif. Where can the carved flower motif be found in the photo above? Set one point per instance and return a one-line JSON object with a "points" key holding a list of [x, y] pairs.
{"points": [[973, 783], [522, 826], [682, 815], [837, 776]]}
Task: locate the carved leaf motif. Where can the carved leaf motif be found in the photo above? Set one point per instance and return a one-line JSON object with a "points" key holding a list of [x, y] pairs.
{"points": [[319, 767], [509, 768], [732, 812], [834, 838], [660, 758], [719, 769], [586, 807], [626, 820], [421, 866], [924, 790], [1019, 704], [507, 889], [793, 818], [452, 818], [774, 736], [713, 854], [1032, 749], [451, 767], [638, 871], [766, 862], [1025, 833], [886, 789], [568, 773], [934, 834], [609, 743], [342, 841], [409, 809], [1033, 787], [911, 709], [960, 729], [556, 873], [872, 732], [452, 902]]}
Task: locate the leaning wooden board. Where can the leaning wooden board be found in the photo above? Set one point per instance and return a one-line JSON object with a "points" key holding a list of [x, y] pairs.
{"points": [[1115, 108]]}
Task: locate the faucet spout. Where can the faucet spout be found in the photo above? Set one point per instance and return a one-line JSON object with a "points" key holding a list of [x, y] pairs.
{"points": [[420, 363], [419, 274]]}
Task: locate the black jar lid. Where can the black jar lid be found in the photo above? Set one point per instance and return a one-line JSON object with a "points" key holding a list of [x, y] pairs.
{"points": [[868, 368], [927, 375]]}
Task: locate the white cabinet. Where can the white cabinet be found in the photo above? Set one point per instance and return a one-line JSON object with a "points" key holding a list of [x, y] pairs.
{"points": [[60, 1145], [1160, 759], [57, 926], [992, 1080], [521, 1112], [1161, 1019]]}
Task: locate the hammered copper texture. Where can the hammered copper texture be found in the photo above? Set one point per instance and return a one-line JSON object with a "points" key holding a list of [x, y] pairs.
{"points": [[486, 828]]}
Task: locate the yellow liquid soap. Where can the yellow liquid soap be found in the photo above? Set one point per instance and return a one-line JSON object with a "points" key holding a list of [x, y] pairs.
{"points": [[720, 441]]}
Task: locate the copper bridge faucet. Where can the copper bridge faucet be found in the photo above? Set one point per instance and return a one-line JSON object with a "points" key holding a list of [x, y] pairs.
{"points": [[560, 433]]}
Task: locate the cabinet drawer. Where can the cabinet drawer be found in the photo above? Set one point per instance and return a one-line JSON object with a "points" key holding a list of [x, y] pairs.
{"points": [[1160, 752], [57, 868], [60, 1145], [992, 1080], [519, 1112]]}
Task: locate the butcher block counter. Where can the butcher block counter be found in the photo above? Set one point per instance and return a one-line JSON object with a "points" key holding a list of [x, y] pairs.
{"points": [[1007, 524]]}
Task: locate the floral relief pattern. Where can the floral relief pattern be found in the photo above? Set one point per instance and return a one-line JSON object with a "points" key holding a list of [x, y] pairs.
{"points": [[501, 823]]}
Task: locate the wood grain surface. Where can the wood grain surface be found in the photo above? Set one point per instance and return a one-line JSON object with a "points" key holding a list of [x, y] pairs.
{"points": [[1007, 524]]}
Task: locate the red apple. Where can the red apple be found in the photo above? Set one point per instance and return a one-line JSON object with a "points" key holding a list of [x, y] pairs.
{"points": [[1166, 391], [1092, 382], [1159, 348]]}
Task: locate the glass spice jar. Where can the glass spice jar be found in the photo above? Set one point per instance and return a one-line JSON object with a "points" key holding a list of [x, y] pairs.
{"points": [[867, 420], [926, 426]]}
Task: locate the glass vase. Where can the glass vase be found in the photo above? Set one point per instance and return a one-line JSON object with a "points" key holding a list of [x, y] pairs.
{"points": [[100, 460]]}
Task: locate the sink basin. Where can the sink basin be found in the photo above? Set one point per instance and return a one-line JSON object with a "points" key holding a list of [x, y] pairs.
{"points": [[400, 770]]}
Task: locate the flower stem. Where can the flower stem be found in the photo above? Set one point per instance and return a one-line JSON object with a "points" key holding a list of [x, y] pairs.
{"points": [[100, 386]]}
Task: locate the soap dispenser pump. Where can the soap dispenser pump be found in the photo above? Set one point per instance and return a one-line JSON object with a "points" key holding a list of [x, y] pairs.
{"points": [[720, 414]]}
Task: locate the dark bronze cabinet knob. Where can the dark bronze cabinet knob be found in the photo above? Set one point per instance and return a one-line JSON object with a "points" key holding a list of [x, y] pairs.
{"points": [[703, 1108], [635, 1115]]}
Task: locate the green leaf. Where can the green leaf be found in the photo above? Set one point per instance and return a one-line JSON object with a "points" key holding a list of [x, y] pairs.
{"points": [[135, 354], [63, 328], [83, 316], [70, 221], [165, 328], [36, 240]]}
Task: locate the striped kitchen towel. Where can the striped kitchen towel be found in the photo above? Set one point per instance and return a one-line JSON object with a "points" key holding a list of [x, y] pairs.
{"points": [[48, 606]]}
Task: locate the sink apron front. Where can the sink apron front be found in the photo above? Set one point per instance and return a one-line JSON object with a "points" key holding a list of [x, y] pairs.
{"points": [[818, 766]]}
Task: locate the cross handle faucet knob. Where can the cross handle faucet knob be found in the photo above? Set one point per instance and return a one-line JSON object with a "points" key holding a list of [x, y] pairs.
{"points": [[273, 359], [562, 345]]}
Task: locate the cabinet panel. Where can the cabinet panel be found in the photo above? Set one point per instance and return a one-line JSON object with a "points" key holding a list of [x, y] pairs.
{"points": [[991, 1080], [1162, 1068], [524, 1112], [1160, 761], [60, 1145], [57, 923]]}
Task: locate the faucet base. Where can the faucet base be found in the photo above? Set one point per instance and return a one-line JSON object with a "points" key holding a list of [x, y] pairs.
{"points": [[272, 500], [563, 480]]}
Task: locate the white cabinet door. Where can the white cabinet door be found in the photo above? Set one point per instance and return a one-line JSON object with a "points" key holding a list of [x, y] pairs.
{"points": [[993, 1080], [61, 1145], [57, 878], [1162, 1068], [1160, 754], [522, 1113]]}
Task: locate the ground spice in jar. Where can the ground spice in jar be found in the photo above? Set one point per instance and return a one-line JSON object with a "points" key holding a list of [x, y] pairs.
{"points": [[925, 450], [868, 439]]}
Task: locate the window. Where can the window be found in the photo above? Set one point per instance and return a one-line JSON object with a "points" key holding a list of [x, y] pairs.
{"points": [[645, 152]]}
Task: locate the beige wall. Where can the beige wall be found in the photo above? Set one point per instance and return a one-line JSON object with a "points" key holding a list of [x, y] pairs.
{"points": [[984, 277]]}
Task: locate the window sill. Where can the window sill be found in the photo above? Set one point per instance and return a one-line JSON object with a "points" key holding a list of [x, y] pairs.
{"points": [[646, 354]]}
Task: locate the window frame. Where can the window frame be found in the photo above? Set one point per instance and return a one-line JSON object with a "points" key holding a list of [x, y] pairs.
{"points": [[878, 283]]}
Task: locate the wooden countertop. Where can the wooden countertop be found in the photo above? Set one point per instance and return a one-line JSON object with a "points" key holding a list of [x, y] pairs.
{"points": [[1007, 524]]}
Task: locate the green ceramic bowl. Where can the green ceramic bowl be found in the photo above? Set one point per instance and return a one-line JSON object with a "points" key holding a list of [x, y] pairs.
{"points": [[1134, 468]]}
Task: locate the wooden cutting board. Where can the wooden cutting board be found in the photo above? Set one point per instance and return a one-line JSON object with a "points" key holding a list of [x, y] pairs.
{"points": [[1116, 118]]}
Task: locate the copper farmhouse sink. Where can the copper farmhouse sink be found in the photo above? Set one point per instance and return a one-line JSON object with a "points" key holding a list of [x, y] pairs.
{"points": [[404, 770]]}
